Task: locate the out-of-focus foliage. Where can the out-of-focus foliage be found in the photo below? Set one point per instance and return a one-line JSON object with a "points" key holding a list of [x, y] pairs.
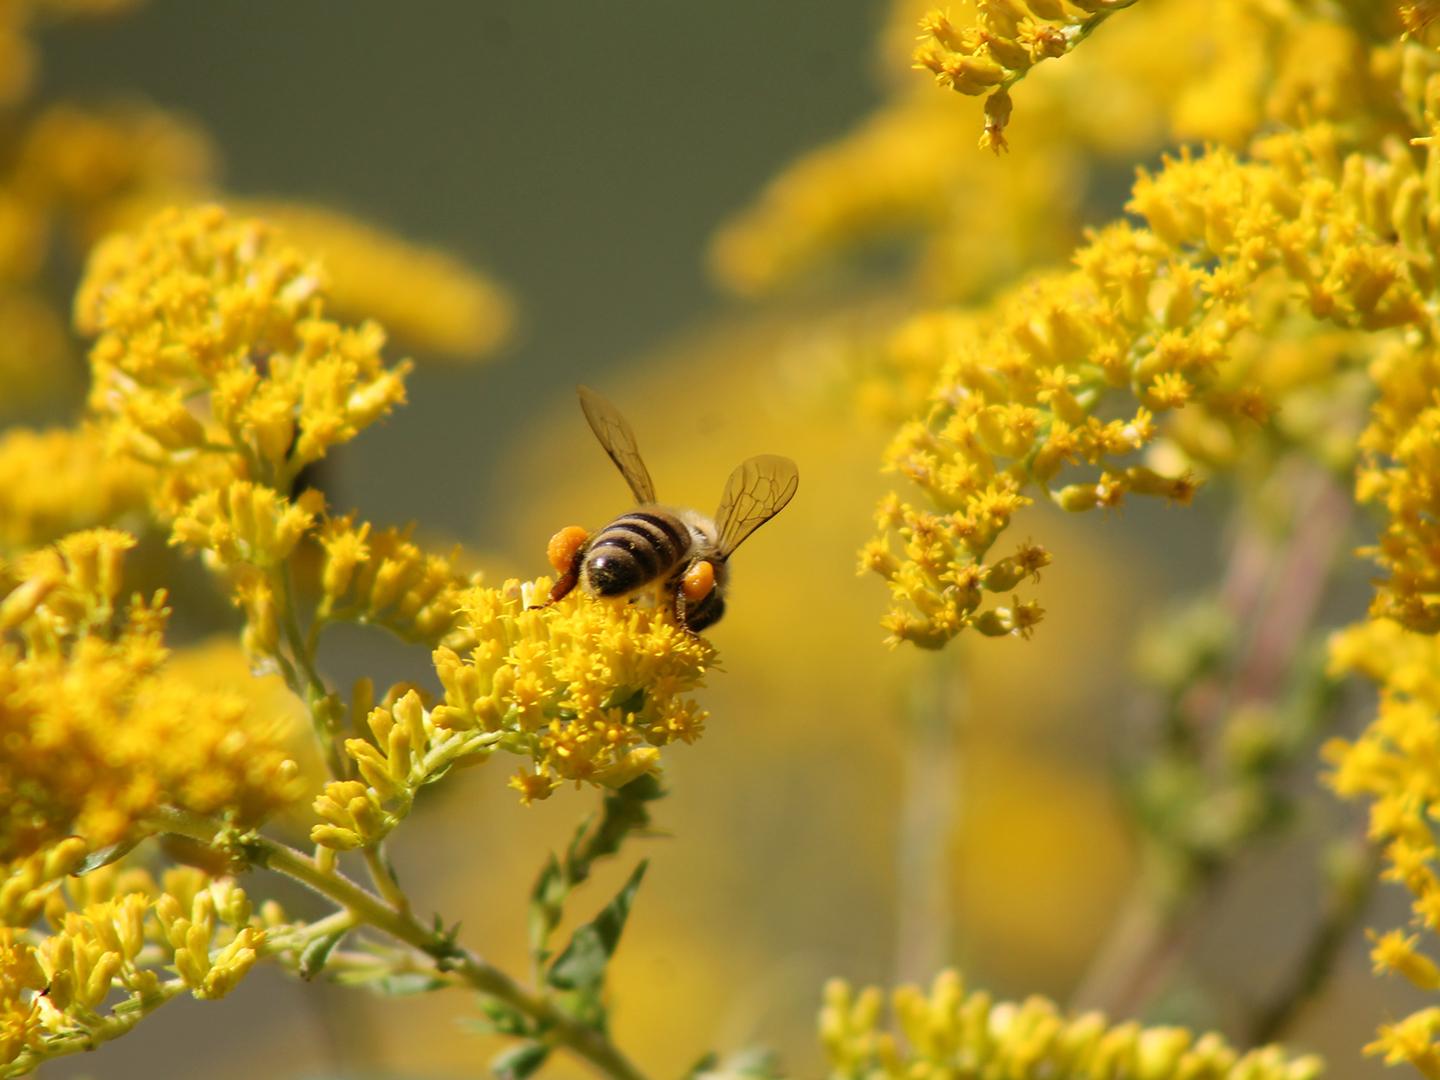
{"points": [[1262, 294], [70, 172]]}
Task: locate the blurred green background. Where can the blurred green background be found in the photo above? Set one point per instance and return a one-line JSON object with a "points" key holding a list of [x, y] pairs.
{"points": [[584, 153]]}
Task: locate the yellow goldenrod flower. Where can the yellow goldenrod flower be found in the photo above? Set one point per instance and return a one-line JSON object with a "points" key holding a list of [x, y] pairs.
{"points": [[97, 730], [57, 481], [950, 1031], [30, 880], [1007, 39], [1162, 315], [587, 690], [119, 934], [246, 523], [213, 353], [1417, 17], [384, 578], [425, 297], [1396, 764]]}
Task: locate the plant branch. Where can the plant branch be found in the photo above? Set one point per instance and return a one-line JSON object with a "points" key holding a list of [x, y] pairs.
{"points": [[1278, 592], [449, 957], [1345, 904]]}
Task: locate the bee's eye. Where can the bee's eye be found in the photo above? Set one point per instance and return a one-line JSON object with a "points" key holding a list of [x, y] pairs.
{"points": [[699, 579], [563, 546]]}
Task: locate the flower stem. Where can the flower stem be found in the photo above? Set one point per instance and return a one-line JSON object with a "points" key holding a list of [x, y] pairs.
{"points": [[449, 957]]}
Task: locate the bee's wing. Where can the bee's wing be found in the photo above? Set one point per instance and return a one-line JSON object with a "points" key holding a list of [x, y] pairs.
{"points": [[757, 490], [619, 442]]}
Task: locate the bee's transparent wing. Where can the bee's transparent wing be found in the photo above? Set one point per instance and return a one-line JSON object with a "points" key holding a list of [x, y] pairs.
{"points": [[619, 442], [757, 490]]}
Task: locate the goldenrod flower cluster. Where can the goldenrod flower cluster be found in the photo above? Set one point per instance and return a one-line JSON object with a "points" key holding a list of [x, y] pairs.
{"points": [[910, 170], [97, 731], [1008, 38], [383, 578], [62, 480], [588, 691], [1400, 471], [216, 378], [107, 961], [214, 358], [406, 749], [954, 1032], [1395, 764], [1152, 320]]}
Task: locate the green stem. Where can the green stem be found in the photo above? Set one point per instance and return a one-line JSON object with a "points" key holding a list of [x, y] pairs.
{"points": [[449, 957], [384, 879], [299, 646], [323, 705], [121, 1020], [1345, 905]]}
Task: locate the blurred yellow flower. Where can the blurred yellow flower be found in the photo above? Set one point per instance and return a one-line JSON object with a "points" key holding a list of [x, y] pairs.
{"points": [[425, 297], [61, 480], [98, 730], [950, 1031]]}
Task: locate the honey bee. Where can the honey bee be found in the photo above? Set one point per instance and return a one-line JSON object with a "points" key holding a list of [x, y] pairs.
{"points": [[681, 553]]}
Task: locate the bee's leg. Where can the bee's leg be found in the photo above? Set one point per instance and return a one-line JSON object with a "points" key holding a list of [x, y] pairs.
{"points": [[568, 580], [566, 552]]}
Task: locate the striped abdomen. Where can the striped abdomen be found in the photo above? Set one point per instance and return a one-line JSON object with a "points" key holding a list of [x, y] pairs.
{"points": [[635, 550]]}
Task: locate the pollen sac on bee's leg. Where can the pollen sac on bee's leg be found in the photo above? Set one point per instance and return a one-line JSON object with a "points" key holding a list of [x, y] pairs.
{"points": [[564, 546], [698, 602], [564, 552], [698, 580]]}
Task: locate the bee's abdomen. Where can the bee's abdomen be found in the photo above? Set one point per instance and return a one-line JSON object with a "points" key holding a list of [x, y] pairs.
{"points": [[635, 550]]}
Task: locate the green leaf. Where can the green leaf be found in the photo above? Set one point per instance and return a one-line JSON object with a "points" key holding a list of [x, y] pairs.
{"points": [[547, 898], [757, 1063], [581, 966], [501, 1019], [520, 1062], [105, 856], [622, 813], [315, 955], [704, 1065], [392, 985]]}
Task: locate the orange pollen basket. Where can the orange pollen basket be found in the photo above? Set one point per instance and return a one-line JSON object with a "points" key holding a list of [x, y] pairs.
{"points": [[698, 581], [563, 546]]}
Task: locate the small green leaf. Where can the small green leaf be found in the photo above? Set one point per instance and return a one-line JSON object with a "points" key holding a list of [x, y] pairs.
{"points": [[501, 1019], [315, 955], [407, 984], [581, 966], [438, 774], [520, 1062], [547, 898], [704, 1065], [623, 812], [106, 855]]}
